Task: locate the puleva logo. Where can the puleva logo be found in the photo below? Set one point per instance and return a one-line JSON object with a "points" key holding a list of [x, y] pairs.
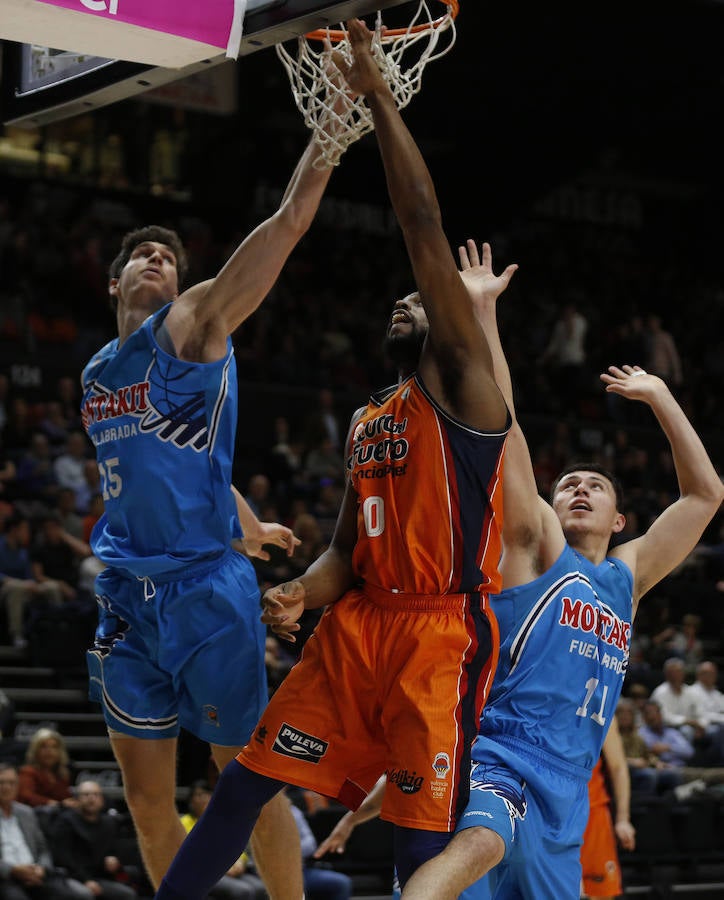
{"points": [[291, 742], [101, 6]]}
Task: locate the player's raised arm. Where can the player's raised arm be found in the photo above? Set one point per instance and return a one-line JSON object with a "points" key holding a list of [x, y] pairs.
{"points": [[205, 314], [532, 534], [676, 532], [455, 364]]}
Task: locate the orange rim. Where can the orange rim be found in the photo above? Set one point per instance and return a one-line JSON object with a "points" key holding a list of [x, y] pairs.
{"points": [[336, 35]]}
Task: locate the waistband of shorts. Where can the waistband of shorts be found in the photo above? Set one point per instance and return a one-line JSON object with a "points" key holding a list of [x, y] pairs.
{"points": [[400, 600], [182, 573], [537, 755]]}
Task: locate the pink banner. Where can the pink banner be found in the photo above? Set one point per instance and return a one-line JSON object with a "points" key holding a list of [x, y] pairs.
{"points": [[207, 21]]}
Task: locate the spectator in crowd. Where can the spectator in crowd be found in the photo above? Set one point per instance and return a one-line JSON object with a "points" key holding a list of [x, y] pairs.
{"points": [[670, 745], [566, 352], [306, 528], [65, 507], [27, 870], [320, 883], [661, 630], [18, 584], [278, 662], [54, 426], [68, 396], [69, 466], [35, 480], [326, 505], [45, 778], [84, 841], [258, 493], [648, 773], [710, 702], [678, 704], [639, 670], [20, 427], [638, 693], [56, 557], [285, 455], [323, 462], [662, 355], [322, 424], [686, 643], [238, 883]]}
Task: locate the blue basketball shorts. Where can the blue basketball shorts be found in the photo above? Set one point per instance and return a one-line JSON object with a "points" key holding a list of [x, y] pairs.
{"points": [[187, 653], [540, 809]]}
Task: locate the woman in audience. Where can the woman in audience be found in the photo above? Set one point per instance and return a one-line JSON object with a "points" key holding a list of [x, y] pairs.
{"points": [[45, 777]]}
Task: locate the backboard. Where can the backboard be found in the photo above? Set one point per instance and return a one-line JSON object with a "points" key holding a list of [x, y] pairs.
{"points": [[41, 85]]}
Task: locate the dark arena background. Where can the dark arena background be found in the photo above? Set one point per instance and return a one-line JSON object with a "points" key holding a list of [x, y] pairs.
{"points": [[582, 140]]}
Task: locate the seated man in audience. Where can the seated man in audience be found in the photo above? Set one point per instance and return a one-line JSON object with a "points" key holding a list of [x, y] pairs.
{"points": [[679, 707], [710, 701], [84, 842], [670, 745], [27, 870]]}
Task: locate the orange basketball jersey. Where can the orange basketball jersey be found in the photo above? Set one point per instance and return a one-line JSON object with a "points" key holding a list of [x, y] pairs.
{"points": [[430, 501]]}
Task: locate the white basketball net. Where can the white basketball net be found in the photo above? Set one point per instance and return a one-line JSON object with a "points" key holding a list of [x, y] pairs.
{"points": [[336, 118]]}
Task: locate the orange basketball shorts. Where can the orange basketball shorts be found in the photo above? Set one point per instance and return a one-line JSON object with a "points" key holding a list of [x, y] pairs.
{"points": [[599, 855], [388, 682]]}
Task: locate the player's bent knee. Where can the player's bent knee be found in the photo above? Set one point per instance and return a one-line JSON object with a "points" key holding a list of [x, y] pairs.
{"points": [[484, 848]]}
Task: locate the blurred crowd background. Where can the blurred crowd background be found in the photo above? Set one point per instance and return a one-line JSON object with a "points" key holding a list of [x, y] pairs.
{"points": [[602, 182]]}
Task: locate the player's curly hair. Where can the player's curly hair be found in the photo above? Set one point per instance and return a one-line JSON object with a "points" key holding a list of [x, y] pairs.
{"points": [[591, 467], [158, 234]]}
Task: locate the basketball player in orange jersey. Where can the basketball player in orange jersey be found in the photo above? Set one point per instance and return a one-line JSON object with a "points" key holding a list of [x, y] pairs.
{"points": [[599, 854], [395, 676]]}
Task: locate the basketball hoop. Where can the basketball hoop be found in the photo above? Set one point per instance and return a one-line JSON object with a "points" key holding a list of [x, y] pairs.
{"points": [[336, 118]]}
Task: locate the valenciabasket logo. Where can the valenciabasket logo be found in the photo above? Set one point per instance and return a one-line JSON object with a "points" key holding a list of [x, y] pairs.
{"points": [[211, 713], [297, 744]]}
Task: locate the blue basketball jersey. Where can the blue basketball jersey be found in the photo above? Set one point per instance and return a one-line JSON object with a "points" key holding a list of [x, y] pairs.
{"points": [[164, 432], [563, 657]]}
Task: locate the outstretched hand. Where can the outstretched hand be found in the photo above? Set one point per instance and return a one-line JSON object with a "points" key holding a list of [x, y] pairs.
{"points": [[336, 840], [282, 606], [270, 533], [633, 383], [363, 75], [482, 284]]}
